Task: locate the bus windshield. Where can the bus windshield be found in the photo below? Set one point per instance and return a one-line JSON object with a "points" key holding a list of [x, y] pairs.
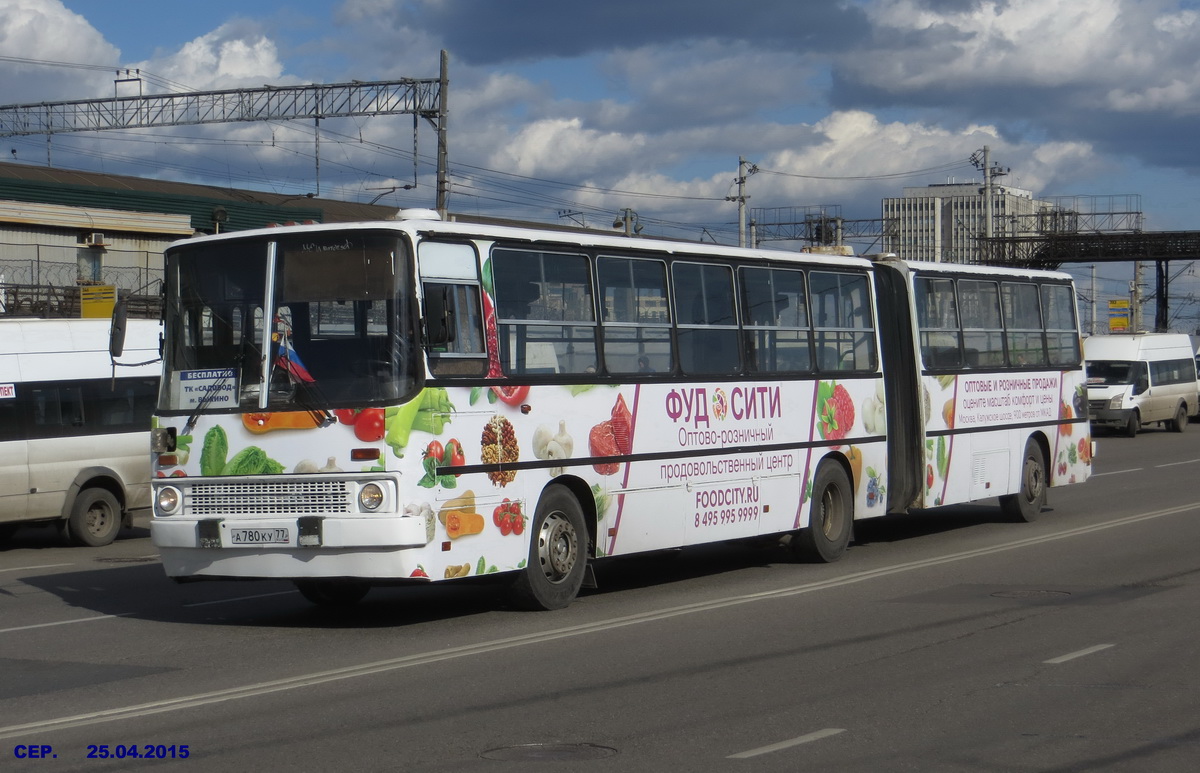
{"points": [[1111, 372], [340, 332]]}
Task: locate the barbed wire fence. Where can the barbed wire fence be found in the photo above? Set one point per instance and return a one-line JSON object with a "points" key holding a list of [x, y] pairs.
{"points": [[45, 280]]}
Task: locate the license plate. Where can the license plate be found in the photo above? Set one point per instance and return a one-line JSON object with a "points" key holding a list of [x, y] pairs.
{"points": [[259, 537]]}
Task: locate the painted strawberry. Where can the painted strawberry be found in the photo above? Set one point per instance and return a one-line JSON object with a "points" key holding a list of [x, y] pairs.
{"points": [[835, 410]]}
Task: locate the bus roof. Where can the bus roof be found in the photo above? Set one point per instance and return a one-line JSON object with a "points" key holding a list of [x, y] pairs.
{"points": [[536, 234]]}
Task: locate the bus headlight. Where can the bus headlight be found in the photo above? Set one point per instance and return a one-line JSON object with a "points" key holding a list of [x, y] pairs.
{"points": [[169, 500], [1115, 402], [370, 497]]}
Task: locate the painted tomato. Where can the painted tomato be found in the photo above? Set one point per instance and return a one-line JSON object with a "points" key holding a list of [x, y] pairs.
{"points": [[370, 426], [454, 454], [346, 415], [512, 395]]}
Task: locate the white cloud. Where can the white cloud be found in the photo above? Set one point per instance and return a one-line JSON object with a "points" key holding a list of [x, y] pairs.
{"points": [[233, 55], [45, 30], [1081, 47]]}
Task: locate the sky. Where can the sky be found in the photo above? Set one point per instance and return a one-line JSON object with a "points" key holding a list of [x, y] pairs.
{"points": [[564, 112]]}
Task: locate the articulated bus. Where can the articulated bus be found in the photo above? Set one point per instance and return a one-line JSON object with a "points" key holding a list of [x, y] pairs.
{"points": [[74, 427], [417, 400]]}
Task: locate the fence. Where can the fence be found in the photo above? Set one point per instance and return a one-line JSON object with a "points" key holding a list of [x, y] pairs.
{"points": [[46, 288]]}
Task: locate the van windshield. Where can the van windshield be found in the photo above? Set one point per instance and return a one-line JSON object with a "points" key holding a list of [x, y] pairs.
{"points": [[1111, 372]]}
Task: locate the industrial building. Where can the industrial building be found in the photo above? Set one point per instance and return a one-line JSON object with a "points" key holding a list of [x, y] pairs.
{"points": [[62, 231]]}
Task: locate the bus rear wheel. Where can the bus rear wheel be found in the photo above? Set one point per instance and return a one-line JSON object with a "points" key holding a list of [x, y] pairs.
{"points": [[558, 551], [1181, 419], [830, 519], [333, 593], [95, 518], [1027, 503]]}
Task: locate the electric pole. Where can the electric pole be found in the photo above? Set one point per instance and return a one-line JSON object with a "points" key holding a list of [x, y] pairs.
{"points": [[744, 171]]}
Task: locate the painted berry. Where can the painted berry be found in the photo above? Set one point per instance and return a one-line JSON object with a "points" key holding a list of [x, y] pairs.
{"points": [[836, 412]]}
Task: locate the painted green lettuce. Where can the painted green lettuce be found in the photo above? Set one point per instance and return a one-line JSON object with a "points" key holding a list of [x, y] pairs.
{"points": [[252, 461], [215, 452]]}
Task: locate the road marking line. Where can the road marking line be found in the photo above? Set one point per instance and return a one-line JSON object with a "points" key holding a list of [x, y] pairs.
{"points": [[1079, 654], [1116, 472], [64, 622], [787, 744], [42, 566], [469, 650], [239, 598], [1176, 464]]}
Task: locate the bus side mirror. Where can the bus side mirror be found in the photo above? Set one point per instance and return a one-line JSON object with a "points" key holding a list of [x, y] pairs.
{"points": [[439, 316], [116, 331], [1142, 384]]}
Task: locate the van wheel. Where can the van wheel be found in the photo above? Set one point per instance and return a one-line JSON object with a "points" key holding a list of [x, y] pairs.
{"points": [[1132, 425], [1027, 503], [95, 518], [6, 531], [830, 519], [1181, 420]]}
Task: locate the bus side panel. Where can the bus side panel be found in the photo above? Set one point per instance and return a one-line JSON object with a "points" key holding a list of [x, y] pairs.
{"points": [[979, 424]]}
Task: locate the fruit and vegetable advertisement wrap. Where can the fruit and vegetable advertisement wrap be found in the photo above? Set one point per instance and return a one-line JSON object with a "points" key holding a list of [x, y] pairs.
{"points": [[666, 464], [969, 418]]}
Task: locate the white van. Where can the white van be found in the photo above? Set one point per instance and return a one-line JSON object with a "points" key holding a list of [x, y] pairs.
{"points": [[74, 431], [1141, 378]]}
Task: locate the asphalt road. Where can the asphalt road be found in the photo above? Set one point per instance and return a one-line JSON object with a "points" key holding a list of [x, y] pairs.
{"points": [[944, 641]]}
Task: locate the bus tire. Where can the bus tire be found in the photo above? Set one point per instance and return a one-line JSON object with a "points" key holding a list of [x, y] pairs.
{"points": [[1181, 419], [95, 518], [558, 554], [1025, 505], [831, 517], [1132, 424], [333, 593], [7, 530]]}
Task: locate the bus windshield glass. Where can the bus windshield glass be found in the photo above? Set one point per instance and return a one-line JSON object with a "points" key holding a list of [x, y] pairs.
{"points": [[1110, 372], [339, 332]]}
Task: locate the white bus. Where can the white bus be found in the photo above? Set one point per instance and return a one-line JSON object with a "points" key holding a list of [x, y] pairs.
{"points": [[73, 430], [427, 400]]}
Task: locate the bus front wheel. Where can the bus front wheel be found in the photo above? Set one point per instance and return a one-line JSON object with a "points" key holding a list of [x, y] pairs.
{"points": [[558, 551], [95, 518], [1132, 424], [830, 519], [1027, 503]]}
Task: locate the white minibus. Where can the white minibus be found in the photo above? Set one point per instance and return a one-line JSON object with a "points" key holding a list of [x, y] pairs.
{"points": [[1140, 378], [74, 428]]}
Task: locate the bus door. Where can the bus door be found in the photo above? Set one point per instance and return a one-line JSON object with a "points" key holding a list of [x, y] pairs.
{"points": [[902, 388]]}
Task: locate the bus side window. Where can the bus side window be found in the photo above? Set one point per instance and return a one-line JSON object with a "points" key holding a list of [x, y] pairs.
{"points": [[454, 329], [545, 316], [708, 336], [842, 320], [774, 312], [937, 321], [637, 316]]}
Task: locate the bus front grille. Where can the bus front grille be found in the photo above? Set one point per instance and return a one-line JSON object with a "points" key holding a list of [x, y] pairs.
{"points": [[284, 497]]}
